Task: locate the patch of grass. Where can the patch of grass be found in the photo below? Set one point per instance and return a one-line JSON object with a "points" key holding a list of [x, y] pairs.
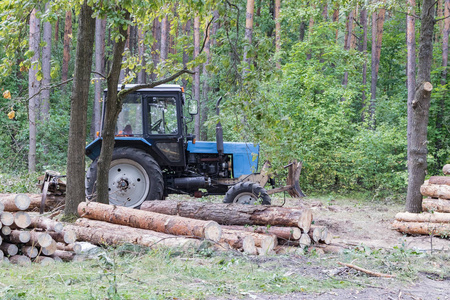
{"points": [[19, 183]]}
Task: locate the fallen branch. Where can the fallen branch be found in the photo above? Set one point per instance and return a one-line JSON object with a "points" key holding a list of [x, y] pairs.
{"points": [[371, 273]]}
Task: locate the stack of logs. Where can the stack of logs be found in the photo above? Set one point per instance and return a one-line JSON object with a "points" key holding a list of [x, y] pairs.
{"points": [[435, 219], [253, 229], [25, 238]]}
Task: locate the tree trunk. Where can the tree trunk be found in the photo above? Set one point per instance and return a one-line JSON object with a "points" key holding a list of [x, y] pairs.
{"points": [[67, 45], [249, 33], [46, 68], [347, 43], [33, 88], [100, 233], [141, 76], [156, 31], [411, 62], [417, 150], [187, 32], [234, 214], [205, 90], [335, 18], [377, 36], [363, 49], [438, 205], [435, 217], [100, 31], [436, 229], [112, 108], [164, 38], [149, 220], [78, 111], [286, 233], [278, 30], [434, 191], [196, 85]]}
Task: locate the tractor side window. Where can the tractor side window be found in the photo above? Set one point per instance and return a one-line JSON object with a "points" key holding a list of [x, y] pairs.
{"points": [[162, 115], [129, 122]]}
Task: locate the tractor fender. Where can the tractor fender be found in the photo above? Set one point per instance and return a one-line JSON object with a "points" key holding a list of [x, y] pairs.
{"points": [[93, 149]]}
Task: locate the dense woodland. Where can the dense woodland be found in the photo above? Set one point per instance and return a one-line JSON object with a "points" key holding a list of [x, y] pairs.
{"points": [[321, 81]]}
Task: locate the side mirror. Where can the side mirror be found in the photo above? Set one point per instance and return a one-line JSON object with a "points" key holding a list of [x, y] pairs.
{"points": [[192, 106]]}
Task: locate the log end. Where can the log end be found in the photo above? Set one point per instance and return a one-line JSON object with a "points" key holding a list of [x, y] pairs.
{"points": [[22, 201], [213, 231], [248, 245], [305, 220]]}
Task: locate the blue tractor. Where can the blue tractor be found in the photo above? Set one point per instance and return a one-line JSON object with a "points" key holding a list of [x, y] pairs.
{"points": [[155, 156]]}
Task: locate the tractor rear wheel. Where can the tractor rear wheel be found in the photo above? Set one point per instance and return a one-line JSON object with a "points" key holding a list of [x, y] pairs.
{"points": [[247, 193], [134, 176]]}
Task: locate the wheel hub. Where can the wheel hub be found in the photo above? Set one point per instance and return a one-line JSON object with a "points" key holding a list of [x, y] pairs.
{"points": [[123, 184]]}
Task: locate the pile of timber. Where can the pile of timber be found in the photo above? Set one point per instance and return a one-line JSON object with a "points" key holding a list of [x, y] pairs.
{"points": [[247, 228], [435, 220], [25, 238]]}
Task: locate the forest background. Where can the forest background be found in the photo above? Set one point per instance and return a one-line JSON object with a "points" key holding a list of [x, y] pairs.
{"points": [[320, 81]]}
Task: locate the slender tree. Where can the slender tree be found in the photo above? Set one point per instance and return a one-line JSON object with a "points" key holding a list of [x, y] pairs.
{"points": [[417, 150], [67, 42], [141, 76], [277, 30], [78, 109], [363, 49], [196, 85], [248, 33], [348, 42], [411, 61], [164, 38], [46, 68]]}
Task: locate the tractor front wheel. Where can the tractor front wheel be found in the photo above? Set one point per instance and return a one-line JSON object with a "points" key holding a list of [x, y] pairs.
{"points": [[247, 193], [134, 176]]}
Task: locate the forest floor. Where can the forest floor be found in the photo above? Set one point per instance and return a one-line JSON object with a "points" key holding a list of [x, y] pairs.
{"points": [[366, 226]]}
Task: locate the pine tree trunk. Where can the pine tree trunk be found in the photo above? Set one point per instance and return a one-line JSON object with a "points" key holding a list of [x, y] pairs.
{"points": [[164, 38], [411, 62], [205, 90], [100, 30], [335, 18], [156, 31], [33, 88], [248, 33], [46, 68], [363, 49], [67, 44], [141, 76], [417, 148], [278, 30], [78, 112], [187, 32], [347, 43], [196, 86]]}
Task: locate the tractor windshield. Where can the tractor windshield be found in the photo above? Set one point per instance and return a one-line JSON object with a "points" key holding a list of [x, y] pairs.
{"points": [[129, 122], [162, 115]]}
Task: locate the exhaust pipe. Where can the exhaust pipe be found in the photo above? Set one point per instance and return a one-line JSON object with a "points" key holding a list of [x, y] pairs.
{"points": [[219, 133]]}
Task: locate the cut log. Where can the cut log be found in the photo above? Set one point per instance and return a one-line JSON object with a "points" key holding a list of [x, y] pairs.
{"points": [[64, 255], [9, 249], [6, 230], [44, 260], [65, 236], [436, 217], [318, 233], [65, 247], [21, 260], [50, 249], [7, 218], [438, 205], [52, 202], [238, 241], [446, 169], [22, 201], [285, 250], [29, 251], [149, 220], [101, 233], [436, 229], [234, 214], [442, 180], [328, 238], [47, 224], [22, 219], [336, 249], [305, 240], [435, 190], [264, 241], [287, 233], [42, 239], [19, 237]]}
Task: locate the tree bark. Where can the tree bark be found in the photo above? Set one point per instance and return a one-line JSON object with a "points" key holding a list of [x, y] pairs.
{"points": [[417, 150], [347, 43], [33, 87], [234, 214], [142, 75], [278, 30], [100, 233], [435, 190], [435, 217], [100, 31], [377, 36], [439, 205], [46, 224], [67, 44], [156, 31], [187, 32], [112, 108], [439, 180], [335, 18], [411, 62], [78, 111], [286, 233], [8, 200], [363, 49], [164, 38], [149, 220], [264, 241], [196, 85], [249, 33], [436, 229], [46, 68], [18, 237], [239, 240], [205, 90]]}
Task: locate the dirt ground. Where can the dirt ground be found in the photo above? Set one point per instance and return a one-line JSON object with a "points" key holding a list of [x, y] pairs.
{"points": [[355, 223]]}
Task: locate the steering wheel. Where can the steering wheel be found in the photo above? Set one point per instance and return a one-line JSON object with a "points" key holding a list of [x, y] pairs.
{"points": [[155, 126]]}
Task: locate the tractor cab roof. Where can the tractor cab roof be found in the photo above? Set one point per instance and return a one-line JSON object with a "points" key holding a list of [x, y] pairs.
{"points": [[159, 88]]}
